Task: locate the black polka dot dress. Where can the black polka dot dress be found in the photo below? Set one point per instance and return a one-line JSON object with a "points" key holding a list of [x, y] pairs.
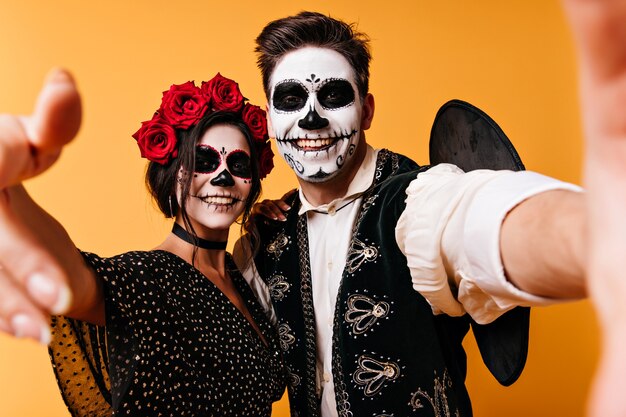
{"points": [[173, 345]]}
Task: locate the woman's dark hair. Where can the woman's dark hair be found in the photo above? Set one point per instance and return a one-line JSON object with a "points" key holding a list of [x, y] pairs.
{"points": [[162, 180]]}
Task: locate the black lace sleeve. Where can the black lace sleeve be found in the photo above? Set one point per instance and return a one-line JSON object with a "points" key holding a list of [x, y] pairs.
{"points": [[79, 358], [86, 357]]}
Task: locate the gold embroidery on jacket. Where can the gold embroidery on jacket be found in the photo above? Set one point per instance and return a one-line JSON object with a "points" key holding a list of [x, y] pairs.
{"points": [[372, 374], [363, 312], [439, 400], [358, 254], [278, 286]]}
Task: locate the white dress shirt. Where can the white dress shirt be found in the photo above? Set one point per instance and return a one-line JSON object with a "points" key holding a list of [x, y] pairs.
{"points": [[449, 233]]}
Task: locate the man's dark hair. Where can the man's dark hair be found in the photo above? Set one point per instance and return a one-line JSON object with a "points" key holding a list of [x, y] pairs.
{"points": [[313, 29]]}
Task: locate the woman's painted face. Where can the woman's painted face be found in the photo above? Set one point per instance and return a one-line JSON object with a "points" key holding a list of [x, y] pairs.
{"points": [[222, 178], [315, 112]]}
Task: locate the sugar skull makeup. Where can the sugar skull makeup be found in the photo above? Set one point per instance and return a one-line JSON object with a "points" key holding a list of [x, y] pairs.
{"points": [[209, 159], [315, 110], [222, 178]]}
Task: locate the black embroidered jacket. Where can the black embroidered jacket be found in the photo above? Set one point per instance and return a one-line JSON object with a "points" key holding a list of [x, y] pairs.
{"points": [[391, 355]]}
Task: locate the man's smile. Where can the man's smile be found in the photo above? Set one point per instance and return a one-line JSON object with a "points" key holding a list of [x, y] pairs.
{"points": [[317, 144]]}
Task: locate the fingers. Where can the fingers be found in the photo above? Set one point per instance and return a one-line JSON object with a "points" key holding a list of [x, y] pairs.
{"points": [[288, 194], [32, 284], [35, 268], [272, 209], [19, 316], [15, 153], [275, 209], [268, 209], [281, 205]]}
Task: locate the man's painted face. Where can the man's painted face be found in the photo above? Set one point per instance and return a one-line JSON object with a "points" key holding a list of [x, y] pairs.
{"points": [[315, 112]]}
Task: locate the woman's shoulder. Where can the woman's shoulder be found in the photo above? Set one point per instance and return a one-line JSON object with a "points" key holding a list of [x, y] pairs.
{"points": [[132, 261], [142, 256], [141, 272]]}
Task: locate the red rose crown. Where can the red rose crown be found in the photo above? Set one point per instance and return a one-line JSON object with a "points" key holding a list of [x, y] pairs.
{"points": [[183, 105]]}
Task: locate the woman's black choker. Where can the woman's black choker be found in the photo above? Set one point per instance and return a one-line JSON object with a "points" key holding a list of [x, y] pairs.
{"points": [[199, 242]]}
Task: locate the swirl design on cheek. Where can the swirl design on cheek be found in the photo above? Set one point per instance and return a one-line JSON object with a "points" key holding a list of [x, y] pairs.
{"points": [[341, 160], [295, 165]]}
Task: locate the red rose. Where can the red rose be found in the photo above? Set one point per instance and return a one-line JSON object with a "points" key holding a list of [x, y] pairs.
{"points": [[183, 105], [266, 160], [157, 141], [254, 117], [224, 93]]}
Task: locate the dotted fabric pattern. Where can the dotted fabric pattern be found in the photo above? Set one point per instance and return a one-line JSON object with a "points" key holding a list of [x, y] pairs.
{"points": [[173, 345]]}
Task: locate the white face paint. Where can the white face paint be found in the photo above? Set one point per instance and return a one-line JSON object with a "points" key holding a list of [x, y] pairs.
{"points": [[315, 111], [221, 182]]}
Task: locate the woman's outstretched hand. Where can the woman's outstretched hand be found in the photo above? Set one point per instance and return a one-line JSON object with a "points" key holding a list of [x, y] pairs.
{"points": [[40, 267]]}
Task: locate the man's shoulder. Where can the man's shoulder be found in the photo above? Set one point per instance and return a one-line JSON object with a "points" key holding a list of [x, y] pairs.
{"points": [[394, 169], [397, 162]]}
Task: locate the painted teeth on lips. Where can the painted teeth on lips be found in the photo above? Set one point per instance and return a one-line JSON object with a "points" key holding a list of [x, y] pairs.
{"points": [[314, 143], [225, 201]]}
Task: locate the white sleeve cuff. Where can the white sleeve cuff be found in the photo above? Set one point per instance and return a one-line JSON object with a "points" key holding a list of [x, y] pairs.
{"points": [[450, 234], [481, 239]]}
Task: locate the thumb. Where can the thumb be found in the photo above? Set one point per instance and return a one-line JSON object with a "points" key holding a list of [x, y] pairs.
{"points": [[57, 114]]}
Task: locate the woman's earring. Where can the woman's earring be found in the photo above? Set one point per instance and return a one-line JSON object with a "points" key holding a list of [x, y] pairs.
{"points": [[171, 210]]}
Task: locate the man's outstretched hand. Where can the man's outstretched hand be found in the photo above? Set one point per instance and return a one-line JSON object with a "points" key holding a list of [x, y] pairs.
{"points": [[599, 28]]}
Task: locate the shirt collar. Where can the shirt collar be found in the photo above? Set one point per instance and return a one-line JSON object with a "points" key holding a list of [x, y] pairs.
{"points": [[360, 183]]}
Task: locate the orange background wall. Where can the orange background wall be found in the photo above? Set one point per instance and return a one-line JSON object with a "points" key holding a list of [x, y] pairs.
{"points": [[514, 59]]}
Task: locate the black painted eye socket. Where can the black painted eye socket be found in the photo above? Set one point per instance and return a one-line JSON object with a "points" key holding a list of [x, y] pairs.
{"points": [[335, 94], [238, 163], [289, 96], [207, 159]]}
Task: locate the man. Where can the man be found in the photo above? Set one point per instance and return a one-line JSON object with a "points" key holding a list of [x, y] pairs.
{"points": [[330, 175], [371, 291]]}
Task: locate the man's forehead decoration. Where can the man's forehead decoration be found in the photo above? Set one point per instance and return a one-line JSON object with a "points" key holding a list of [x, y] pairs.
{"points": [[315, 111]]}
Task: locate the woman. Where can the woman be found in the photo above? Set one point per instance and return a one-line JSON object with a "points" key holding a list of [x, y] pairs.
{"points": [[177, 330]]}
